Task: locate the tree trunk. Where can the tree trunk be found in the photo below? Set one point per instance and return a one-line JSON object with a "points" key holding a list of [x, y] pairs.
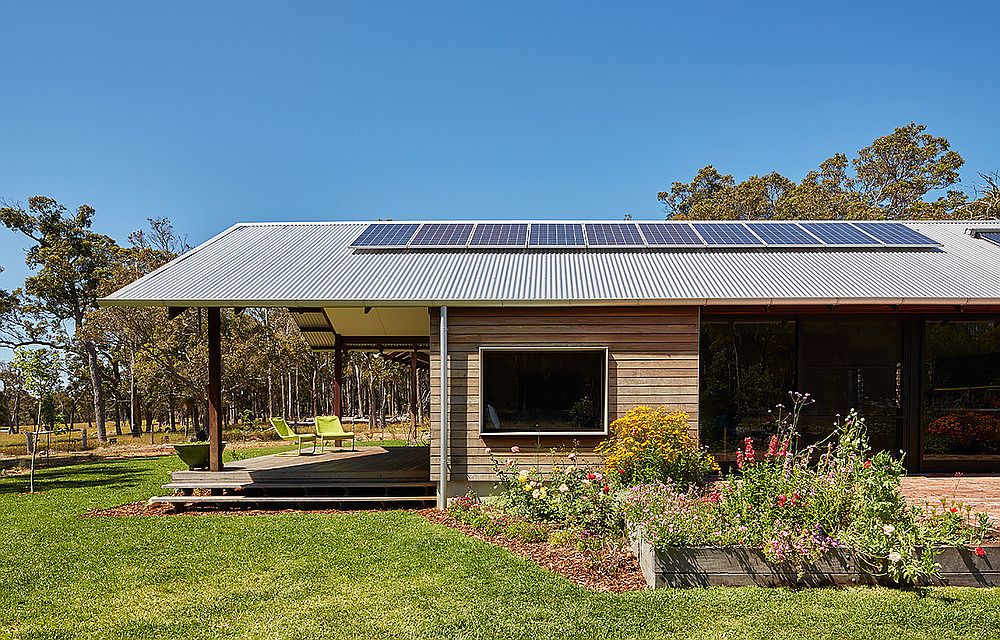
{"points": [[96, 383]]}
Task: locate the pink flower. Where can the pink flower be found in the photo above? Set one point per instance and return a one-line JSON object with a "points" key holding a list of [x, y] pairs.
{"points": [[739, 459], [980, 552], [515, 449], [748, 452], [783, 449], [772, 447]]}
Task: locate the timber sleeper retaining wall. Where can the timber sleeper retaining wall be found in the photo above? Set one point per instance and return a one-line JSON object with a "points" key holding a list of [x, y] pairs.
{"points": [[740, 566]]}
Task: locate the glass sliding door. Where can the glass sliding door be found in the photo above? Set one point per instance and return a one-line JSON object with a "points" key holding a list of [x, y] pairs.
{"points": [[747, 367], [960, 421], [853, 363]]}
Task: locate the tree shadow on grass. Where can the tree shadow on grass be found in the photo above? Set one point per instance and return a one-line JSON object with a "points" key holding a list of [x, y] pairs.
{"points": [[107, 474]]}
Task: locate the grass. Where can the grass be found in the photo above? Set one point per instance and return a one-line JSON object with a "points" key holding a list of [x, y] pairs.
{"points": [[389, 574]]}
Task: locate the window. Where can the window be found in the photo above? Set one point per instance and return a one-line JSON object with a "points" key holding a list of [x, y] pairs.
{"points": [[543, 391], [961, 386], [747, 367]]}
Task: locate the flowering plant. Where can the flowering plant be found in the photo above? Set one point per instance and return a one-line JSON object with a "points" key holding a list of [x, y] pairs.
{"points": [[568, 492], [653, 445], [795, 504]]}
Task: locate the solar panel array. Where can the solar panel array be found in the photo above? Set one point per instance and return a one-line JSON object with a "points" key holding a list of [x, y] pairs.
{"points": [[701, 235]]}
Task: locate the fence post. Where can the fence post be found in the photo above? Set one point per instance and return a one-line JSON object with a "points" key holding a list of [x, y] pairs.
{"points": [[83, 439]]}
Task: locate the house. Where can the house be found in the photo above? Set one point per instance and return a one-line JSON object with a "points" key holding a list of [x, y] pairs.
{"points": [[541, 333]]}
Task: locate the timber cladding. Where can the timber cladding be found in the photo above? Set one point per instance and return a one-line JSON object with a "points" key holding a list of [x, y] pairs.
{"points": [[652, 360]]}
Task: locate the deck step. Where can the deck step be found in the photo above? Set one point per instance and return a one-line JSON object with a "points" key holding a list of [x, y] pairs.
{"points": [[196, 484], [237, 499]]}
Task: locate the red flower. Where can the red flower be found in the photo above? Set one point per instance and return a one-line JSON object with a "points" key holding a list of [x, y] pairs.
{"points": [[980, 552], [868, 463], [953, 509], [621, 472], [783, 450], [606, 488], [772, 447], [781, 500], [715, 496], [591, 476]]}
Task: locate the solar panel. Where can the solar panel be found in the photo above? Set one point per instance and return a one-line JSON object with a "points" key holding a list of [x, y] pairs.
{"points": [[727, 234], [670, 234], [385, 235], [556, 235], [782, 233], [616, 234], [894, 233], [506, 234], [839, 234], [442, 235], [992, 236]]}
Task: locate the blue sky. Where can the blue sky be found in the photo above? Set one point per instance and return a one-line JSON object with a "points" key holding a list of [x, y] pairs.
{"points": [[212, 113]]}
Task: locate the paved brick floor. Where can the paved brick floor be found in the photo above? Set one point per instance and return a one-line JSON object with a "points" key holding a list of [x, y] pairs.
{"points": [[982, 493]]}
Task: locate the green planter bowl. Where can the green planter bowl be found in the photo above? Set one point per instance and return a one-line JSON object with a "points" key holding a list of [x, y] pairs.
{"points": [[194, 454]]}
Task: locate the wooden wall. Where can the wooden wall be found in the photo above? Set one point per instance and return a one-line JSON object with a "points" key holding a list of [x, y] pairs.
{"points": [[652, 360]]}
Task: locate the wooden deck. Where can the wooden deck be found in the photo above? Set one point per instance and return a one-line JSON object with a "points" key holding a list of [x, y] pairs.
{"points": [[366, 467]]}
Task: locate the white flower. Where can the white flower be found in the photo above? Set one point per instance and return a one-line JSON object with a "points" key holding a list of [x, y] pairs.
{"points": [[888, 529], [586, 482], [570, 469], [563, 488], [522, 473], [535, 493], [488, 451], [894, 556], [572, 456]]}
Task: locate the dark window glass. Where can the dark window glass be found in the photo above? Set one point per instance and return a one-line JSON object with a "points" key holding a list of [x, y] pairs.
{"points": [[961, 417], [543, 391], [852, 363], [747, 367]]}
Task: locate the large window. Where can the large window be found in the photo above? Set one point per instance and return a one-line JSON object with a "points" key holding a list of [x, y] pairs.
{"points": [[747, 367], [961, 417], [547, 391]]}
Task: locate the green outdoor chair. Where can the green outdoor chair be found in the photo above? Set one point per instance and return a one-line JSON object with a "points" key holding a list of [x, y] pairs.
{"points": [[330, 428], [285, 432]]}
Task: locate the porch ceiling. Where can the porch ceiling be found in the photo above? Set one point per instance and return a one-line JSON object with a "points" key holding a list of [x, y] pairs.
{"points": [[321, 326]]}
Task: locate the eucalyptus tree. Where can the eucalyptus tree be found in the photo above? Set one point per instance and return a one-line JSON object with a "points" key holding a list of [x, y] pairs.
{"points": [[906, 174], [69, 262]]}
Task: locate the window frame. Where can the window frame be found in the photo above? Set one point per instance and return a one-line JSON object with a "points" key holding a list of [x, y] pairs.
{"points": [[605, 392]]}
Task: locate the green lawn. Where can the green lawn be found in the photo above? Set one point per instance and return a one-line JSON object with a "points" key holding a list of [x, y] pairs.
{"points": [[365, 575]]}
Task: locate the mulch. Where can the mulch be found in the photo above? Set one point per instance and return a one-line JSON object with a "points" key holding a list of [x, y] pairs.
{"points": [[616, 572]]}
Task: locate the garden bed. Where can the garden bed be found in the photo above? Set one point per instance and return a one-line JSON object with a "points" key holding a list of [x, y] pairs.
{"points": [[613, 571], [739, 566]]}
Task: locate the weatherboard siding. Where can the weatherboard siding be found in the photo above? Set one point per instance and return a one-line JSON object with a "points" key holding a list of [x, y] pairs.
{"points": [[652, 360]]}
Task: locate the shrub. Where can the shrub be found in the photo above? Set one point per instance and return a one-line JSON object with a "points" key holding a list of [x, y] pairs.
{"points": [[795, 505], [570, 494], [526, 531], [564, 537], [652, 445]]}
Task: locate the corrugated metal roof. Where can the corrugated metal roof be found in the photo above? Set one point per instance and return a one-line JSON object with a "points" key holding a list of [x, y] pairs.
{"points": [[311, 264]]}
